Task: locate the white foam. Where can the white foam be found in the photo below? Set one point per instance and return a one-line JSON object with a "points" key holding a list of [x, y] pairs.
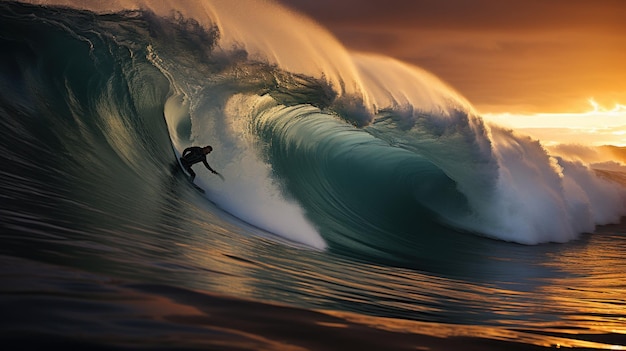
{"points": [[249, 191], [539, 198]]}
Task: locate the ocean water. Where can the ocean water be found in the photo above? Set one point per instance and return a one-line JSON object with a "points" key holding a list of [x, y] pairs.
{"points": [[364, 205]]}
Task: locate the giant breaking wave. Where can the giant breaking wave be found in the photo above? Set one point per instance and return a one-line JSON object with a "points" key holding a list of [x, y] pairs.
{"points": [[318, 145]]}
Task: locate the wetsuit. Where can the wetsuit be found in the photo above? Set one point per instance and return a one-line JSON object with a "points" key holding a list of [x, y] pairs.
{"points": [[193, 155]]}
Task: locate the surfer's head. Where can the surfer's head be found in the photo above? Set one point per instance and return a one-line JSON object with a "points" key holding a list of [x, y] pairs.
{"points": [[207, 149]]}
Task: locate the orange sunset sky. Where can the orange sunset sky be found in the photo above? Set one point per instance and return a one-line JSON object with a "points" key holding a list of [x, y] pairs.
{"points": [[557, 64]]}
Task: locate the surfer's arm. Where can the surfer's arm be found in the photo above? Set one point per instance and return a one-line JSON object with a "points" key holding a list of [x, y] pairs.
{"points": [[187, 150], [206, 164]]}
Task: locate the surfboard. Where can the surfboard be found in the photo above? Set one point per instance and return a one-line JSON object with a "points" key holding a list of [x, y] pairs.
{"points": [[197, 187]]}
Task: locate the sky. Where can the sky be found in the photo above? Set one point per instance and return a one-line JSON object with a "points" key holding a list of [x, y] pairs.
{"points": [[534, 55], [508, 58]]}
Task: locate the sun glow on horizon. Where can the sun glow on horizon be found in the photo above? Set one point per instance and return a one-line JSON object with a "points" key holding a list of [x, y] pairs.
{"points": [[598, 126]]}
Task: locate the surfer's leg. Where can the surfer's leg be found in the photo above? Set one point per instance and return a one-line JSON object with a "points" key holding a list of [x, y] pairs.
{"points": [[187, 167], [192, 174]]}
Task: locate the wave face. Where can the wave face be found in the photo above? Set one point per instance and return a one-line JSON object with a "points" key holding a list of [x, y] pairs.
{"points": [[352, 152]]}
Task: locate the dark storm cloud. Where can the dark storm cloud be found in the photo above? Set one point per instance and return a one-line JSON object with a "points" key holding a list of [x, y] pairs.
{"points": [[466, 14], [534, 54]]}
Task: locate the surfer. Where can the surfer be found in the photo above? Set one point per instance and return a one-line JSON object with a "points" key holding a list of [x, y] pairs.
{"points": [[193, 155]]}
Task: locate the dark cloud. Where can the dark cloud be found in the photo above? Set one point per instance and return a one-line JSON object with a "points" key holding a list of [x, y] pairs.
{"points": [[533, 54], [464, 14]]}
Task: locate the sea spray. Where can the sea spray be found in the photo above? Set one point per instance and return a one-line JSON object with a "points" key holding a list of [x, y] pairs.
{"points": [[542, 198]]}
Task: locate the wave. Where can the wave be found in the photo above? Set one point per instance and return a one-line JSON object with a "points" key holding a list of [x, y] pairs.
{"points": [[318, 145]]}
